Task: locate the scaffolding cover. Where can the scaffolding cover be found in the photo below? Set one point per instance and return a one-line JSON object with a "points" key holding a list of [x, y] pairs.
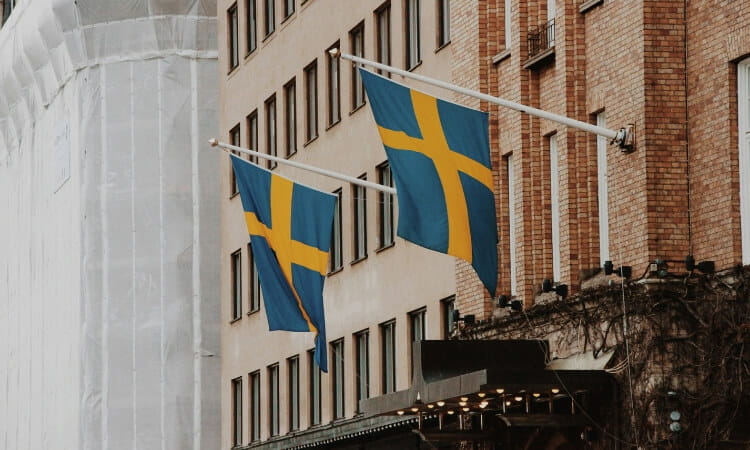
{"points": [[109, 227]]}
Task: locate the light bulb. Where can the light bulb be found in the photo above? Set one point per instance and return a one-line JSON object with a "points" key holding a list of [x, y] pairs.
{"points": [[462, 403], [499, 390], [507, 403], [483, 405], [466, 409], [555, 390], [481, 394], [441, 403], [518, 398], [450, 411], [430, 406], [464, 399], [536, 394], [400, 413], [414, 409]]}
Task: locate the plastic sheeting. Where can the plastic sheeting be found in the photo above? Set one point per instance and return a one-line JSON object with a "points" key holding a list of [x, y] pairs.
{"points": [[109, 226]]}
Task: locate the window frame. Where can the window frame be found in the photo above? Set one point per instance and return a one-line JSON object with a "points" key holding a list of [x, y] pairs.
{"points": [[269, 18], [362, 366], [507, 25], [233, 36], [234, 139], [251, 24], [290, 117], [288, 12], [512, 221], [315, 399], [236, 412], [255, 405], [383, 12], [252, 123], [255, 293], [388, 372], [602, 189], [271, 128], [337, 239], [554, 195], [274, 407], [311, 101], [357, 86], [386, 220], [743, 138], [447, 306], [236, 279], [333, 82], [293, 392], [412, 38], [443, 23], [338, 380], [359, 219]]}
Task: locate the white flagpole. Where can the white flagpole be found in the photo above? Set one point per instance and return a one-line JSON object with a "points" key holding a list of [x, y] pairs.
{"points": [[328, 173], [622, 137]]}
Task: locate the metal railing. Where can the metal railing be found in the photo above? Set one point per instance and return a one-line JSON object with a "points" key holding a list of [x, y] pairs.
{"points": [[541, 38]]}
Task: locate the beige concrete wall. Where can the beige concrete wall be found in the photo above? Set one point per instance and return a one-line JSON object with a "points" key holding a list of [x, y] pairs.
{"points": [[387, 284]]}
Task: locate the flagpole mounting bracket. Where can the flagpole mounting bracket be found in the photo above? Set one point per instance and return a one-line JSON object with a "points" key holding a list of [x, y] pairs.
{"points": [[213, 142], [625, 138]]}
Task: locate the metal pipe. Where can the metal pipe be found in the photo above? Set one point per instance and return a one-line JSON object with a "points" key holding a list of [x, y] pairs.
{"points": [[328, 173], [620, 136]]}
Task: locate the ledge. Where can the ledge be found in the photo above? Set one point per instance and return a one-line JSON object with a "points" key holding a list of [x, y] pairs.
{"points": [[589, 4], [540, 59], [503, 55]]}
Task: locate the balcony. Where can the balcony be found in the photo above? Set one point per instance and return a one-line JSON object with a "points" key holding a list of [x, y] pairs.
{"points": [[541, 41]]}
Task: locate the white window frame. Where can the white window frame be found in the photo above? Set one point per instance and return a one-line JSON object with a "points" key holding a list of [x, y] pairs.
{"points": [[506, 13], [743, 123], [603, 189], [512, 223], [413, 38], [359, 209], [555, 205]]}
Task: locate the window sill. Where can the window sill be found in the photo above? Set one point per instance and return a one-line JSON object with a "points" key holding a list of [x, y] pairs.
{"points": [[310, 141], [236, 319], [335, 271], [233, 195], [255, 311], [357, 108], [589, 4], [415, 66], [385, 247], [251, 53], [333, 124], [540, 59], [289, 155], [268, 37], [286, 19], [232, 70], [502, 56], [442, 46], [358, 260]]}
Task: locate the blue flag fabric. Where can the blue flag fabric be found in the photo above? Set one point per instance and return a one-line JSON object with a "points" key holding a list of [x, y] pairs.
{"points": [[290, 234], [440, 157]]}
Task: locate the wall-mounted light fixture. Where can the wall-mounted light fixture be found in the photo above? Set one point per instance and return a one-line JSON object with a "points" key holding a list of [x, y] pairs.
{"points": [[622, 271], [703, 266], [467, 319], [559, 289], [505, 301]]}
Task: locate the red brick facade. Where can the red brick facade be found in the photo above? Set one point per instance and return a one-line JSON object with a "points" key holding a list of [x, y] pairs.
{"points": [[669, 70]]}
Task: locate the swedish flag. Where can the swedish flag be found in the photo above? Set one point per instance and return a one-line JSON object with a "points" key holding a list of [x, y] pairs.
{"points": [[440, 157], [290, 234]]}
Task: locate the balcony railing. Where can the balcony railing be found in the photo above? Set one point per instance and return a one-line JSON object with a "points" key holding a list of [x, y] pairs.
{"points": [[541, 38]]}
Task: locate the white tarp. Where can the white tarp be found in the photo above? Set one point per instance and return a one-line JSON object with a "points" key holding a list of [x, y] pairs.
{"points": [[109, 244]]}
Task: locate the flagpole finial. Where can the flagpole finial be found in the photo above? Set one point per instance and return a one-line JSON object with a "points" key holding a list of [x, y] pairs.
{"points": [[334, 52], [213, 142]]}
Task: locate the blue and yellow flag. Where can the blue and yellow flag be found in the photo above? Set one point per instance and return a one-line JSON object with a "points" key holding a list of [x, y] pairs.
{"points": [[290, 234], [440, 157]]}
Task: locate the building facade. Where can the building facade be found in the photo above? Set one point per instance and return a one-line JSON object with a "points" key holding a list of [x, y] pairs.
{"points": [[677, 73]]}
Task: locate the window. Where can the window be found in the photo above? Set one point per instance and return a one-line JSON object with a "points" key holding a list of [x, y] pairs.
{"points": [[360, 220], [388, 356], [550, 10], [416, 333], [362, 343], [383, 34], [237, 412], [357, 42], [288, 8], [413, 55], [743, 122], [336, 240], [269, 17], [448, 305], [255, 292], [293, 371], [234, 56], [506, 17], [511, 221], [602, 186], [290, 115], [236, 261], [555, 201], [252, 134], [251, 11], [271, 129], [315, 400], [234, 139], [337, 388], [311, 100], [254, 406], [273, 399], [385, 206], [334, 88], [444, 22]]}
